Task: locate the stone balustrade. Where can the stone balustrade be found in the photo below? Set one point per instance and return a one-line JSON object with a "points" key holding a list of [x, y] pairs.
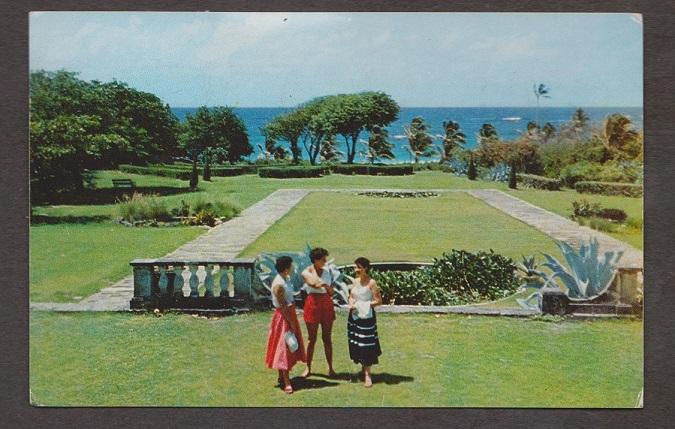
{"points": [[193, 284]]}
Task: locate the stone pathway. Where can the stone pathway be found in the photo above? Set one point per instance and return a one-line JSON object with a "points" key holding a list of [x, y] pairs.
{"points": [[226, 241], [557, 226]]}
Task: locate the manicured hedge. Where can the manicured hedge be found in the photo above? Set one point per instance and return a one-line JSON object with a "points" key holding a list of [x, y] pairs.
{"points": [[293, 172], [373, 170], [609, 188], [216, 170], [156, 171], [539, 182]]}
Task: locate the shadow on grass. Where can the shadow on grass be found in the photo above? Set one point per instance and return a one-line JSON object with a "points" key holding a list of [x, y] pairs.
{"points": [[378, 378], [301, 383], [104, 195], [52, 220]]}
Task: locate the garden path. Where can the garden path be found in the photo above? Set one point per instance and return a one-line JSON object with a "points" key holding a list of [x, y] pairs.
{"points": [[557, 226], [229, 239]]}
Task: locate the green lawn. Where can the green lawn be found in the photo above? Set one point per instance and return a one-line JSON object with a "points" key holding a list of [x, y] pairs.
{"points": [[560, 202], [105, 359], [78, 260], [384, 229]]}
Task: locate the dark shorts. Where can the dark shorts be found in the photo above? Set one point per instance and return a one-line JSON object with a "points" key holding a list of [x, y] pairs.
{"points": [[318, 308]]}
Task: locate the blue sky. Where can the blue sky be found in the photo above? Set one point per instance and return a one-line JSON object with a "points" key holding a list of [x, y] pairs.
{"points": [[282, 59]]}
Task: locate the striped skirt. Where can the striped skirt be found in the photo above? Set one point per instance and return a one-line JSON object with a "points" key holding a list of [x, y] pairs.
{"points": [[364, 345]]}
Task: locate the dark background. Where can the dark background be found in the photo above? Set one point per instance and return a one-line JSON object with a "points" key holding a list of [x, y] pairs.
{"points": [[659, 119]]}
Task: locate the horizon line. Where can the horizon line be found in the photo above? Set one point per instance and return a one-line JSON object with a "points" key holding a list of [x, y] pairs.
{"points": [[429, 107]]}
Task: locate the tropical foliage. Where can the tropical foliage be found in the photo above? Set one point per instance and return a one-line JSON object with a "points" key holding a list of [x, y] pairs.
{"points": [[586, 275], [453, 140], [419, 140], [77, 126], [265, 271]]}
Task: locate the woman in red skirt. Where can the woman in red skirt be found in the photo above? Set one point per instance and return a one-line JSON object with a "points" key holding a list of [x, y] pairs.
{"points": [[318, 308], [279, 356]]}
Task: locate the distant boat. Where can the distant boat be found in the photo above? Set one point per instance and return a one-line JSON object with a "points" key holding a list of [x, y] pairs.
{"points": [[512, 119], [399, 136]]}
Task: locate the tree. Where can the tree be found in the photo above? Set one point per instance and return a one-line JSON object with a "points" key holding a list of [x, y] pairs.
{"points": [[471, 173], [540, 90], [288, 127], [548, 131], [351, 114], [487, 132], [419, 141], [213, 129], [580, 120], [329, 151], [378, 145], [513, 179], [78, 126], [453, 140], [620, 137]]}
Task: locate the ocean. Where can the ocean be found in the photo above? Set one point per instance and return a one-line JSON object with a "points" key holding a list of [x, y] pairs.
{"points": [[509, 122]]}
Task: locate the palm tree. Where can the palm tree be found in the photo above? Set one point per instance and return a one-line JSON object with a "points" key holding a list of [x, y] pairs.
{"points": [[419, 141], [579, 121], [487, 132], [378, 145], [540, 91], [618, 135], [453, 139]]}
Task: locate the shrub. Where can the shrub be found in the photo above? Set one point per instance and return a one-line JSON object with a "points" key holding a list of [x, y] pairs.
{"points": [[539, 182], [373, 170], [156, 171], [293, 172], [221, 209], [471, 172], [580, 171], [143, 207], [458, 167], [609, 188], [459, 277], [616, 215], [584, 208]]}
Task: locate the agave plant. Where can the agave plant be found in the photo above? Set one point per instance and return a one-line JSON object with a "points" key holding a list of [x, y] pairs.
{"points": [[588, 274], [458, 167], [498, 173], [266, 271]]}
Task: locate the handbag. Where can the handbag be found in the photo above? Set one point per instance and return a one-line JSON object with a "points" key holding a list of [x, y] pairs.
{"points": [[291, 341]]}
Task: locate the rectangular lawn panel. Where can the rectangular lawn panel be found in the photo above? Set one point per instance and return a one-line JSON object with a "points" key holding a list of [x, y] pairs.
{"points": [[67, 261], [399, 229], [107, 359]]}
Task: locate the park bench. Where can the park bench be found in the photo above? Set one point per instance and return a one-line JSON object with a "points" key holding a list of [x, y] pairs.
{"points": [[123, 183]]}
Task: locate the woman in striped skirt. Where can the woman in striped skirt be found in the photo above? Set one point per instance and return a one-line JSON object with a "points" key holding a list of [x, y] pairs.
{"points": [[364, 345]]}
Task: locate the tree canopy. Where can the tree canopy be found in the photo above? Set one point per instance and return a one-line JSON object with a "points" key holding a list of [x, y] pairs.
{"points": [[76, 126], [216, 128]]}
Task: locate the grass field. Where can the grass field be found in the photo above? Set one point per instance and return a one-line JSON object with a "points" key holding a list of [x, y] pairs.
{"points": [[414, 229], [68, 261], [79, 259], [107, 359]]}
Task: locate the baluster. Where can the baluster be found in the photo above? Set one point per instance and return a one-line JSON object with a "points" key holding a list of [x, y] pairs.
{"points": [[163, 280], [224, 281], [242, 281], [178, 281], [208, 280], [194, 281], [142, 281]]}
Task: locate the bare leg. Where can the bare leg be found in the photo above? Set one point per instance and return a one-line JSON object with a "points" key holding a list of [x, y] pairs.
{"points": [[368, 380], [326, 332], [287, 382], [312, 329]]}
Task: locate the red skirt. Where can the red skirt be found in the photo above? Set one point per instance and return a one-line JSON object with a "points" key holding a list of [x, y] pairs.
{"points": [[318, 308], [278, 355]]}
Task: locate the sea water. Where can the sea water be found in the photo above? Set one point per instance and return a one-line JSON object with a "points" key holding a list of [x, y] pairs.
{"points": [[510, 122]]}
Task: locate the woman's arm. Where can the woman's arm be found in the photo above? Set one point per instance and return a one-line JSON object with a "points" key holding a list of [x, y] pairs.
{"points": [[279, 293], [377, 297], [312, 279], [352, 301]]}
